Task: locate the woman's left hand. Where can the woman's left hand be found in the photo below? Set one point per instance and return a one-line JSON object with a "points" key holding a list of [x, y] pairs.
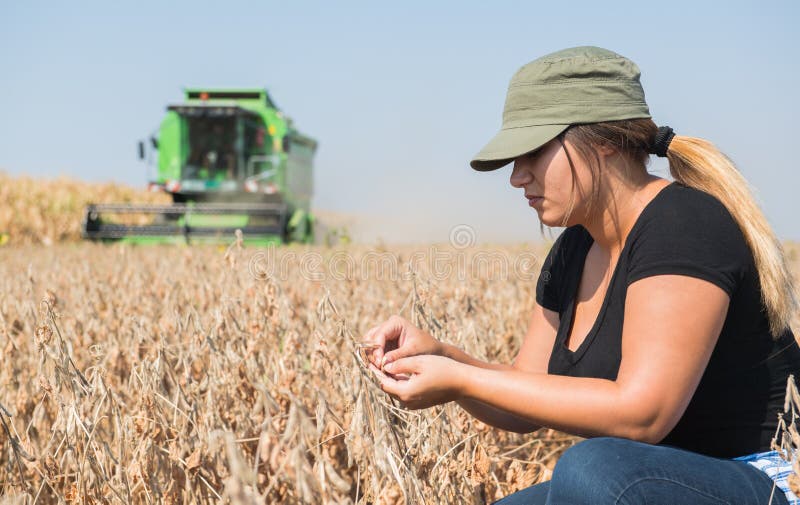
{"points": [[432, 380]]}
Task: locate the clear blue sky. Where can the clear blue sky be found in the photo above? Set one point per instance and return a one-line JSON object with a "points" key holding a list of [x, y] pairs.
{"points": [[400, 95]]}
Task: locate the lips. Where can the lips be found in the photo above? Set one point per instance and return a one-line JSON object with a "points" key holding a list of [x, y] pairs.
{"points": [[534, 200]]}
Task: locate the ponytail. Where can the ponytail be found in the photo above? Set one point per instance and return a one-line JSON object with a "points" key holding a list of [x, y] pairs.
{"points": [[697, 163]]}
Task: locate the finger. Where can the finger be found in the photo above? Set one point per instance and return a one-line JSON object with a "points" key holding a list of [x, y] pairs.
{"points": [[369, 338], [407, 365], [376, 372], [392, 387], [370, 332], [383, 373], [375, 354], [396, 354], [388, 331], [377, 337]]}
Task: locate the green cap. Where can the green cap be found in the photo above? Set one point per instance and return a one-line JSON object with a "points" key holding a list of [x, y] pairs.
{"points": [[578, 85]]}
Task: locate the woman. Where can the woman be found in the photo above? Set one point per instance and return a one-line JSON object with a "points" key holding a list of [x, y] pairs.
{"points": [[661, 325]]}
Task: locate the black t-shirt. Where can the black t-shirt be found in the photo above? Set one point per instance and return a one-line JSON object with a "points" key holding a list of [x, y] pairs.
{"points": [[688, 232]]}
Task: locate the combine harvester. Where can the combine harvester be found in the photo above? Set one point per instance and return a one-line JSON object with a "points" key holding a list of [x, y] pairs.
{"points": [[231, 161]]}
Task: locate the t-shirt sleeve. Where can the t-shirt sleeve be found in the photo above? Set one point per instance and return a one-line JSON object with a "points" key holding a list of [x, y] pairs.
{"points": [[547, 287], [697, 238]]}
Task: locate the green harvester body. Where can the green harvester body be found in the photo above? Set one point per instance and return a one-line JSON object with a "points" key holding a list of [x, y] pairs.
{"points": [[231, 160]]}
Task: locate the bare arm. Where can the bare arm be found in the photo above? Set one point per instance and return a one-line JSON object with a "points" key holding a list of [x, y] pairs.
{"points": [[671, 327], [533, 357], [672, 323], [397, 339]]}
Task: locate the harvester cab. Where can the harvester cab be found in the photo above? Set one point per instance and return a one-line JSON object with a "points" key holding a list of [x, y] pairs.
{"points": [[230, 160]]}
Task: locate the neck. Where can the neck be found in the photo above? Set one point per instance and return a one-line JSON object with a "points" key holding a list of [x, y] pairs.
{"points": [[619, 205]]}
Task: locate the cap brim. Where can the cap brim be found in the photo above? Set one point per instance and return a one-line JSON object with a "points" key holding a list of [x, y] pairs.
{"points": [[512, 143]]}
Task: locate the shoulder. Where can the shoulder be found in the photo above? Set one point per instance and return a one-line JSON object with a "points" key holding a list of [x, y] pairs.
{"points": [[688, 231], [680, 207]]}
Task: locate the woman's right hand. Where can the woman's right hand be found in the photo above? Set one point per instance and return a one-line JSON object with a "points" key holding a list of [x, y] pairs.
{"points": [[397, 338]]}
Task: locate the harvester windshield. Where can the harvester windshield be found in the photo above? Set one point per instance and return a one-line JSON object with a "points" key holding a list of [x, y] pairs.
{"points": [[211, 149], [221, 142]]}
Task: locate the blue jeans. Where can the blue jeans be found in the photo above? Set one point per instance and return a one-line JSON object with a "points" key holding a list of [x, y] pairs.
{"points": [[604, 470]]}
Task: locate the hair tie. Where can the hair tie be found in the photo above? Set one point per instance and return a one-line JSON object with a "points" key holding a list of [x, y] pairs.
{"points": [[661, 141]]}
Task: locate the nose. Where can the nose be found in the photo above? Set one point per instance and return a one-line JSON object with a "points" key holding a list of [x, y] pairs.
{"points": [[521, 174]]}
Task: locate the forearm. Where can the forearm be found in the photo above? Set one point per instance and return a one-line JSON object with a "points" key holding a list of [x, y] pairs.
{"points": [[456, 354], [581, 406], [482, 411], [496, 417]]}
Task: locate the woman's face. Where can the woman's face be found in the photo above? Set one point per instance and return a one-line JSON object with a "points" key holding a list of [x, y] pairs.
{"points": [[546, 178]]}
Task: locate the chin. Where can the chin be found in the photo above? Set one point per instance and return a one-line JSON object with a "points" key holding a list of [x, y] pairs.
{"points": [[554, 218], [549, 221]]}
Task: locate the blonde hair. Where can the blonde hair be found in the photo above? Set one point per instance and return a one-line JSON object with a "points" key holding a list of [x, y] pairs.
{"points": [[697, 163]]}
